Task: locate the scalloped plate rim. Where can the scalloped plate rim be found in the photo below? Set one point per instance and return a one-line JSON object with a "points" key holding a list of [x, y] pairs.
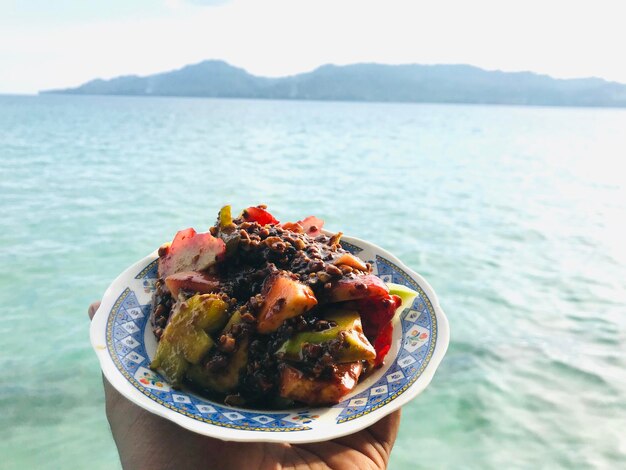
{"points": [[115, 377]]}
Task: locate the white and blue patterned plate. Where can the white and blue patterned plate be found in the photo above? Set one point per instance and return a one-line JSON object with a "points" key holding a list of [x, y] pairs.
{"points": [[123, 340]]}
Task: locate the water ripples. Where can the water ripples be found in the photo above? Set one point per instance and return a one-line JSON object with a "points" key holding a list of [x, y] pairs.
{"points": [[514, 215]]}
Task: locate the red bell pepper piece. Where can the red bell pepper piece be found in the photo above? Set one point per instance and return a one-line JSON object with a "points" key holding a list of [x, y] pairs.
{"points": [[376, 315], [382, 345], [261, 216], [376, 312]]}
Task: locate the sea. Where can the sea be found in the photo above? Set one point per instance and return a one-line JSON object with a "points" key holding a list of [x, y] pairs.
{"points": [[515, 215]]}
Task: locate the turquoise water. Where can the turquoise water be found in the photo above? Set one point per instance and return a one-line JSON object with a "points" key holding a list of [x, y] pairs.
{"points": [[516, 216]]}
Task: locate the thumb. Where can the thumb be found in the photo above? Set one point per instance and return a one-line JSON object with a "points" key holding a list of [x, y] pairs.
{"points": [[93, 308]]}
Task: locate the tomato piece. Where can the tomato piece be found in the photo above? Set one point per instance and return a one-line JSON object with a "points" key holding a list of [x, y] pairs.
{"points": [[261, 216]]}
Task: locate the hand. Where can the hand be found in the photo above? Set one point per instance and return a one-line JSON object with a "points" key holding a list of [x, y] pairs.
{"points": [[145, 440]]}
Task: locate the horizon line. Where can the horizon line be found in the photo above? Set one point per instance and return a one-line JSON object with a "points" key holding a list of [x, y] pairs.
{"points": [[303, 100]]}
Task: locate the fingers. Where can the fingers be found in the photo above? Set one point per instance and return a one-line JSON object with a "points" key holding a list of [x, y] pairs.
{"points": [[386, 430], [93, 308], [376, 441]]}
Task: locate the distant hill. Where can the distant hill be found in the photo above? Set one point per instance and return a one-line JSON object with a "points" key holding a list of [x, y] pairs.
{"points": [[368, 82]]}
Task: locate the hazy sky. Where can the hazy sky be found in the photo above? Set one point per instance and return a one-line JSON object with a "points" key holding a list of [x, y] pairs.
{"points": [[48, 44]]}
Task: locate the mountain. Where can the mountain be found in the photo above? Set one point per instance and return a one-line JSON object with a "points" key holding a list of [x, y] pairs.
{"points": [[368, 82]]}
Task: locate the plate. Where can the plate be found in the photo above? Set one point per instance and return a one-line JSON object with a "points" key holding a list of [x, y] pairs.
{"points": [[123, 340]]}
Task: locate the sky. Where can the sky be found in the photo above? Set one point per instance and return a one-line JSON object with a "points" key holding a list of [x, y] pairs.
{"points": [[54, 44]]}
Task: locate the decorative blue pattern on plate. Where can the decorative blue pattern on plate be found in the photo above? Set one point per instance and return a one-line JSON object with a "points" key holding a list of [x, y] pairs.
{"points": [[355, 250]]}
